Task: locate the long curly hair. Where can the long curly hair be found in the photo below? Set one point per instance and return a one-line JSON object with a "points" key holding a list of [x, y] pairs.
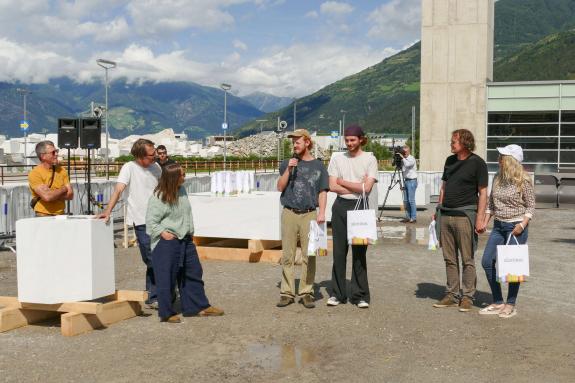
{"points": [[511, 172]]}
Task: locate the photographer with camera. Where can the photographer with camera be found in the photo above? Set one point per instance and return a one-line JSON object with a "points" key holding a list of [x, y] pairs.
{"points": [[409, 171]]}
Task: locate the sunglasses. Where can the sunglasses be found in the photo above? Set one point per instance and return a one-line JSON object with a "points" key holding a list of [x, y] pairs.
{"points": [[53, 152]]}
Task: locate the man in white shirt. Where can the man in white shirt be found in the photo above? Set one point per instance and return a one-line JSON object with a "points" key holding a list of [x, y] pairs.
{"points": [[350, 174], [409, 170], [140, 177]]}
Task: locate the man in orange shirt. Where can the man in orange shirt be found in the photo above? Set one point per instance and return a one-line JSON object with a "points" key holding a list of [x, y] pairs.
{"points": [[49, 182]]}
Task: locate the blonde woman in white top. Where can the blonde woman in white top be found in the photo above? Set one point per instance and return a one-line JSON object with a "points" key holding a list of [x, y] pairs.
{"points": [[512, 203]]}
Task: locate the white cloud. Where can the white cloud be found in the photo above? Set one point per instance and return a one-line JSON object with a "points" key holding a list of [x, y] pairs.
{"points": [[397, 20], [335, 8], [151, 17], [285, 71], [31, 65], [311, 15], [238, 44]]}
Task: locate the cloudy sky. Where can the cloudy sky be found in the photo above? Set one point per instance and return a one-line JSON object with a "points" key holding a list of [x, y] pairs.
{"points": [[283, 47]]}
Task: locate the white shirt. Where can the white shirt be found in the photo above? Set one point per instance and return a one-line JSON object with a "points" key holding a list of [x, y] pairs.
{"points": [[140, 184], [342, 165], [409, 167]]}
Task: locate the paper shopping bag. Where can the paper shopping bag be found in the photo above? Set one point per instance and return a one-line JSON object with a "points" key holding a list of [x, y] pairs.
{"points": [[317, 244], [433, 243], [512, 262], [361, 227]]}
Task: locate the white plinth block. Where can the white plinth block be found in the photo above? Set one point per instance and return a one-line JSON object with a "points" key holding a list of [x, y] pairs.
{"points": [[245, 216], [64, 259]]}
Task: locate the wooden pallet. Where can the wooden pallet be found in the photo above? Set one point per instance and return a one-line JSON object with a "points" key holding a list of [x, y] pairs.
{"points": [[245, 250], [75, 317]]}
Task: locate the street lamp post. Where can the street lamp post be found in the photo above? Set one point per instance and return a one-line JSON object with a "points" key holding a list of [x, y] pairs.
{"points": [[107, 64], [343, 112], [294, 114], [24, 93], [225, 87]]}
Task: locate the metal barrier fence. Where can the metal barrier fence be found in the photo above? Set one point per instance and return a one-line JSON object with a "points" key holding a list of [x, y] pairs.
{"points": [[15, 198], [10, 174]]}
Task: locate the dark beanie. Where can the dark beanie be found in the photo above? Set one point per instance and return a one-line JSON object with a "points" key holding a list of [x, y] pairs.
{"points": [[353, 130]]}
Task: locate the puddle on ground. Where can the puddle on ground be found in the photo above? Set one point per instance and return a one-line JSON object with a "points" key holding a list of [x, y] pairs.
{"points": [[280, 357], [409, 233]]}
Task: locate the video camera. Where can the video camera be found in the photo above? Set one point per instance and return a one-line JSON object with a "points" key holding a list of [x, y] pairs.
{"points": [[398, 154]]}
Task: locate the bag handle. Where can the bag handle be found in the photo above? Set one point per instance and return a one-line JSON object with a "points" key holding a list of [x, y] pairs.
{"points": [[362, 197], [509, 239]]}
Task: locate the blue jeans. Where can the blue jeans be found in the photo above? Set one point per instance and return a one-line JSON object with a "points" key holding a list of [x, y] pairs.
{"points": [[146, 253], [409, 199], [176, 262], [499, 236]]}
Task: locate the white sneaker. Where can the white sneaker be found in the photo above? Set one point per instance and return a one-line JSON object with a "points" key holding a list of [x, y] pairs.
{"points": [[332, 301], [363, 305]]}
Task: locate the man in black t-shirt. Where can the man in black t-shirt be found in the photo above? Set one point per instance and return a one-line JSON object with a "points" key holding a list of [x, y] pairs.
{"points": [[461, 212], [304, 184], [162, 156]]}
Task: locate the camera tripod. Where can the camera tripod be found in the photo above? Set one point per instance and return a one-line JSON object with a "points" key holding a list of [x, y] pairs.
{"points": [[396, 179]]}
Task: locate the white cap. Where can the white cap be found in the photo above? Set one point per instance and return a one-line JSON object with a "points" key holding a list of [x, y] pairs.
{"points": [[514, 151]]}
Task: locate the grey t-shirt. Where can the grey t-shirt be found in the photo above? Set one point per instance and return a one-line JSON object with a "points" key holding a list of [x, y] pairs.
{"points": [[304, 187]]}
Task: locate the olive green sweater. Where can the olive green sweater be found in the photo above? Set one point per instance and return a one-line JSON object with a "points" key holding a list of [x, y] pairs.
{"points": [[177, 218]]}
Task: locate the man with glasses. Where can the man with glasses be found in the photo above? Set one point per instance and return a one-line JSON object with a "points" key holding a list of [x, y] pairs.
{"points": [[140, 177], [49, 182], [162, 158]]}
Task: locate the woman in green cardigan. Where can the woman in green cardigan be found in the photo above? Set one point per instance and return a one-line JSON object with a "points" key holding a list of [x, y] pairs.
{"points": [[174, 256]]}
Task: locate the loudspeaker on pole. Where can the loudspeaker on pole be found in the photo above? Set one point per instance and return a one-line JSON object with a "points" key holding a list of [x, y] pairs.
{"points": [[90, 133], [67, 133]]}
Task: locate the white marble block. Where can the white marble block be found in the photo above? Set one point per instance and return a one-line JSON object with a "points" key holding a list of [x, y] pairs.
{"points": [[64, 259], [245, 216]]}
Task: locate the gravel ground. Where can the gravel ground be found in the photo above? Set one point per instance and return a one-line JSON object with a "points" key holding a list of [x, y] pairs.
{"points": [[400, 338]]}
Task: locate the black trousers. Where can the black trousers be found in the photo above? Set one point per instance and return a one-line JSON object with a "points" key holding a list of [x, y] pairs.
{"points": [[359, 284]]}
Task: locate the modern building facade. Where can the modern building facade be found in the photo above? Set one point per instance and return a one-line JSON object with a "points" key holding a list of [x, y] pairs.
{"points": [[539, 117]]}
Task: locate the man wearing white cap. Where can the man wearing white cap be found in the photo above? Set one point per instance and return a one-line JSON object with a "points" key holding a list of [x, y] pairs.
{"points": [[304, 184], [512, 203]]}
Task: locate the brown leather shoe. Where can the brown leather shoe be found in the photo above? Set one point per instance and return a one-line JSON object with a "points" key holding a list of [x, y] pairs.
{"points": [[211, 312], [284, 301], [172, 319], [447, 301], [465, 305], [308, 302]]}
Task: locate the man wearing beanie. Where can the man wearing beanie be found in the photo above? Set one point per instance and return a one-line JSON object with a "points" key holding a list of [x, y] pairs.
{"points": [[349, 174]]}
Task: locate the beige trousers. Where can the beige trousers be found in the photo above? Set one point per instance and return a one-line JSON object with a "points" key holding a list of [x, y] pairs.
{"points": [[296, 226], [457, 239]]}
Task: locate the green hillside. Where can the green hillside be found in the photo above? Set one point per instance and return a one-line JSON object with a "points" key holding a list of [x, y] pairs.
{"points": [[551, 58], [521, 22], [379, 98]]}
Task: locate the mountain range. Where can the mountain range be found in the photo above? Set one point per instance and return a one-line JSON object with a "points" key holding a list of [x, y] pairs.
{"points": [[533, 41]]}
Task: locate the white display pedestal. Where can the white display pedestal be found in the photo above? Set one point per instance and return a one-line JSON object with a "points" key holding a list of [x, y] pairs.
{"points": [[64, 259], [255, 215]]}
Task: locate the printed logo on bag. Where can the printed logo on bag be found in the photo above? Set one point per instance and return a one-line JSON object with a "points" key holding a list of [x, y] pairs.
{"points": [[359, 224]]}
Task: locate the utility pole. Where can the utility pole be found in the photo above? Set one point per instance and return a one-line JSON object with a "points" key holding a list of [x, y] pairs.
{"points": [[225, 88], [294, 114], [24, 125], [106, 64]]}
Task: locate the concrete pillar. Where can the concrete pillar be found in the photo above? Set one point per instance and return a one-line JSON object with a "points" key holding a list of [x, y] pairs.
{"points": [[456, 64]]}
